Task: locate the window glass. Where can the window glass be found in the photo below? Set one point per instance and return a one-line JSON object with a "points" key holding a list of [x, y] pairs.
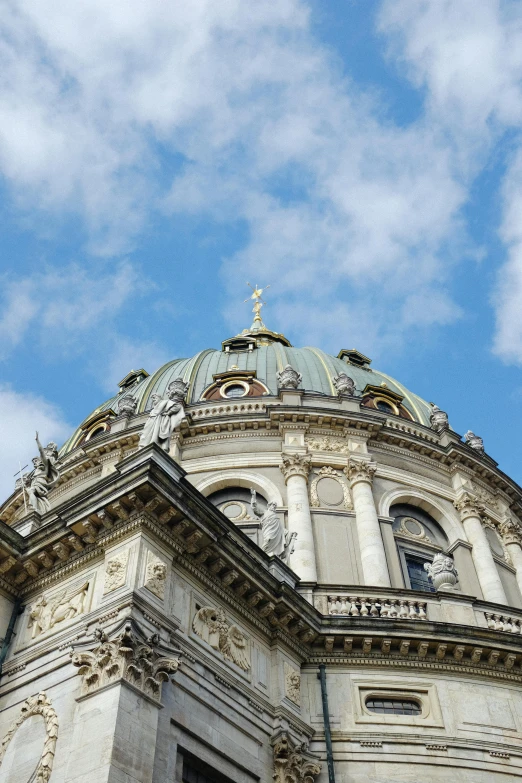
{"points": [[419, 579], [393, 706], [235, 391], [384, 406]]}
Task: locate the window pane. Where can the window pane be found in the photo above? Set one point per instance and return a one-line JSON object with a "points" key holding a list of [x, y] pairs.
{"points": [[394, 706], [419, 579]]}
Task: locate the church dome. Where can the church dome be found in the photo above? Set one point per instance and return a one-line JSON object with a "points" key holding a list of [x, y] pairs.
{"points": [[262, 354]]}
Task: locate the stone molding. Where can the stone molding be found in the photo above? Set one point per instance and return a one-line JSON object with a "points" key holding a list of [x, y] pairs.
{"points": [[360, 470], [296, 465], [37, 705], [290, 762], [469, 505], [129, 657]]}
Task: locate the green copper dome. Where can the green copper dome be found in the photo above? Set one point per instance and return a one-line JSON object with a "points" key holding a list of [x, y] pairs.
{"points": [[267, 353]]}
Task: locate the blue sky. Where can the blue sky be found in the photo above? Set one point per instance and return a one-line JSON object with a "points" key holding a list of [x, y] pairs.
{"points": [[362, 157]]}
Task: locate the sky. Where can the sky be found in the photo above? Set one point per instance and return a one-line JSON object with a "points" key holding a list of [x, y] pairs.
{"points": [[363, 157]]}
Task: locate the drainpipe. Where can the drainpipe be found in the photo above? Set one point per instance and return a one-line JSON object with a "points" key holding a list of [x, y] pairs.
{"points": [[17, 609], [326, 719]]}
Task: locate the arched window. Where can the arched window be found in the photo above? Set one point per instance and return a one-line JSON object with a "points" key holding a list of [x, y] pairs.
{"points": [[234, 503], [418, 537]]}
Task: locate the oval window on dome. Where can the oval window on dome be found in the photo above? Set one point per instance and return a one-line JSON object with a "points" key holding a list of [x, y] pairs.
{"points": [[235, 390], [383, 406]]}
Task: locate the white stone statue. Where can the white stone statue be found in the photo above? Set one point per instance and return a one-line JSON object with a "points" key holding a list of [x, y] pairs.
{"points": [[43, 477], [276, 540], [474, 441], [438, 419], [442, 572], [289, 378], [344, 384], [166, 414]]}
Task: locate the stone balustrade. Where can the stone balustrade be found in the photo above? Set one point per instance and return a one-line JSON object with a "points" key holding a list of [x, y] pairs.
{"points": [[391, 608], [503, 622]]}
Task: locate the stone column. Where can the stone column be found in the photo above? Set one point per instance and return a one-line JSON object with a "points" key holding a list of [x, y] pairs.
{"points": [[360, 474], [295, 469], [470, 511], [512, 537], [116, 719]]}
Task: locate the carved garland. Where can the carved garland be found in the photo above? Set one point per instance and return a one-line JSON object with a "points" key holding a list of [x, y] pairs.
{"points": [[37, 705], [335, 474]]}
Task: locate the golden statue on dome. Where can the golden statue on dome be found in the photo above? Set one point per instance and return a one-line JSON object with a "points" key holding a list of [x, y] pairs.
{"points": [[256, 295]]}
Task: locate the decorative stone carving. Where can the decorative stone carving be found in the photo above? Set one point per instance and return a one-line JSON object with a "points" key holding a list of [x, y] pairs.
{"points": [[48, 612], [155, 575], [442, 572], [296, 465], [37, 705], [289, 378], [127, 405], [292, 684], [438, 419], [510, 531], [468, 505], [360, 470], [211, 625], [166, 414], [328, 444], [405, 530], [329, 472], [344, 384], [128, 657], [290, 764], [116, 571], [43, 477], [276, 540], [474, 441]]}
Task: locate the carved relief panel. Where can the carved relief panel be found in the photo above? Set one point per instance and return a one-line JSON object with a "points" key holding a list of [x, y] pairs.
{"points": [[116, 571], [329, 489], [211, 625], [52, 611], [155, 575]]}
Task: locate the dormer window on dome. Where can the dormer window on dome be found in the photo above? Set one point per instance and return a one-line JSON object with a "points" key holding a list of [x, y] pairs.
{"points": [[96, 425], [382, 399], [351, 356], [233, 384], [132, 378]]}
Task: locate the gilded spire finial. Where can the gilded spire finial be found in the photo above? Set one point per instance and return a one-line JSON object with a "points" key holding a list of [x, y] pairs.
{"points": [[258, 304]]}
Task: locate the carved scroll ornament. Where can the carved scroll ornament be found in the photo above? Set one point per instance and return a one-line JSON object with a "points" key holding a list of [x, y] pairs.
{"points": [[127, 658], [37, 705], [290, 763]]}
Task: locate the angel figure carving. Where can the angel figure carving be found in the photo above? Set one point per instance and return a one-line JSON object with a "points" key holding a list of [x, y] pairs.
{"points": [[44, 614], [43, 477], [211, 625]]}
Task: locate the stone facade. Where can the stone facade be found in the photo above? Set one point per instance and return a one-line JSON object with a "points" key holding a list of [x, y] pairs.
{"points": [[154, 636]]}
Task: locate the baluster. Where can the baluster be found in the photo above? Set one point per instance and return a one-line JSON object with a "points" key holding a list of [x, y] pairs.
{"points": [[331, 604], [423, 610], [413, 610], [344, 605], [393, 609], [374, 610], [490, 621], [403, 611], [385, 609], [507, 624], [515, 626], [364, 607], [354, 609], [499, 625]]}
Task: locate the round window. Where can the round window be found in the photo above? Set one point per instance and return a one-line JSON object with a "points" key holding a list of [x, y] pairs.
{"points": [[235, 390]]}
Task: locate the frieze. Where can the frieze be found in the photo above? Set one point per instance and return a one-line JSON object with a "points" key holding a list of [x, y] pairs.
{"points": [[329, 444], [50, 611]]}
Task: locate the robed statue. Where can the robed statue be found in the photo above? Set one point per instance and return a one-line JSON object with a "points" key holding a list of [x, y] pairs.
{"points": [[43, 477], [276, 540], [166, 414]]}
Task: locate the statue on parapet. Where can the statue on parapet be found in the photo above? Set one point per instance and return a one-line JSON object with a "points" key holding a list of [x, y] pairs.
{"points": [[43, 477], [166, 414], [276, 540]]}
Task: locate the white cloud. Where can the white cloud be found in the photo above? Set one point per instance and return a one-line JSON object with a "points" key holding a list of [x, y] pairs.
{"points": [[340, 203], [121, 355], [60, 309], [23, 414], [467, 56]]}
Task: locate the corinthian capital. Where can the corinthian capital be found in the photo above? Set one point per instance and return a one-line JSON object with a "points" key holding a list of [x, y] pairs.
{"points": [[296, 465], [510, 531], [129, 657], [360, 470], [291, 764], [469, 506]]}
